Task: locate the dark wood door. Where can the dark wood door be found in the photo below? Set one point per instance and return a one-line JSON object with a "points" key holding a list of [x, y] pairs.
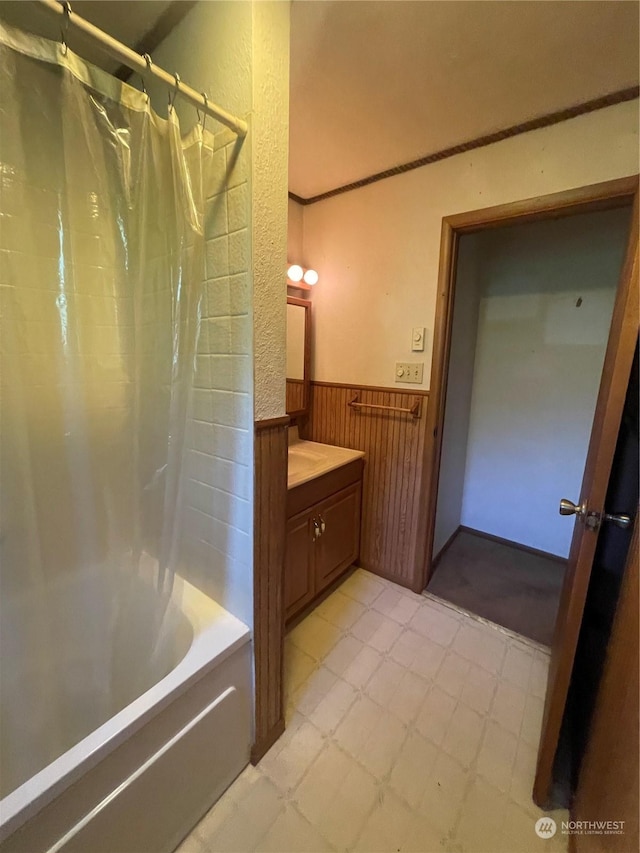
{"points": [[608, 785], [298, 566], [602, 445], [338, 546]]}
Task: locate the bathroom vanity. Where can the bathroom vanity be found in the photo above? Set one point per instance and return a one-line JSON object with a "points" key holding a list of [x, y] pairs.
{"points": [[323, 519]]}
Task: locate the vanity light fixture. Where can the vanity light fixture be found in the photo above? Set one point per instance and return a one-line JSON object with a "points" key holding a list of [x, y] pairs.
{"points": [[301, 277], [295, 272]]}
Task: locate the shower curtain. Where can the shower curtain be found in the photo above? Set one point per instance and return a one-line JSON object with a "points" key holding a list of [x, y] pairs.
{"points": [[101, 268]]}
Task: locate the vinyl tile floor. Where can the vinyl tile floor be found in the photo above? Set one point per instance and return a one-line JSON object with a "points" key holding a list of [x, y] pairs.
{"points": [[411, 726]]}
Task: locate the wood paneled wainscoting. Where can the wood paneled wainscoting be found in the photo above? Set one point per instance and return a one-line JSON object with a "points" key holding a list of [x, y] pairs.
{"points": [[295, 395], [270, 510], [394, 446]]}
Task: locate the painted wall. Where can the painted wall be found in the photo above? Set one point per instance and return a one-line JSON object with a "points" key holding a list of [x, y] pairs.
{"points": [[455, 431], [546, 298], [270, 154], [238, 54], [377, 248], [295, 246]]}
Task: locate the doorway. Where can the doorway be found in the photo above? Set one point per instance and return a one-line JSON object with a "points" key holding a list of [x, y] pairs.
{"points": [[531, 314]]}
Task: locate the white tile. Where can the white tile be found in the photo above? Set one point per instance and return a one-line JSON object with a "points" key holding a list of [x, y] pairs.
{"points": [[538, 676], [497, 755], [453, 674], [381, 748], [384, 682], [249, 821], [434, 624], [435, 715], [517, 665], [397, 605], [413, 768], [463, 736], [523, 776], [286, 767], [362, 667], [298, 666], [336, 795], [292, 832], [340, 610], [532, 720], [387, 825], [367, 625], [332, 708], [444, 793], [508, 706], [479, 689], [481, 817], [423, 837], [362, 586], [358, 724], [313, 690], [343, 654], [409, 697], [315, 636], [481, 645]]}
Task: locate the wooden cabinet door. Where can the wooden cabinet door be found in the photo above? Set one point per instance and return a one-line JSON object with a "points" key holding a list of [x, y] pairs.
{"points": [[338, 546], [298, 566]]}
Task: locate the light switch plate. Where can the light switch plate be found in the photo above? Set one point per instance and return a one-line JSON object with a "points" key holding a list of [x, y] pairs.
{"points": [[417, 339], [409, 371]]}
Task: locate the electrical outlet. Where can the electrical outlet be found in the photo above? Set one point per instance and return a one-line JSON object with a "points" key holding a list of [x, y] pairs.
{"points": [[409, 371]]}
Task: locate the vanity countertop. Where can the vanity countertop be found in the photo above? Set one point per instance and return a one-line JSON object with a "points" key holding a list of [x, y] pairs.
{"points": [[310, 459]]}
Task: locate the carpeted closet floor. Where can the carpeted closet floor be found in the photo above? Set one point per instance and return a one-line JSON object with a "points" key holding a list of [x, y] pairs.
{"points": [[513, 588]]}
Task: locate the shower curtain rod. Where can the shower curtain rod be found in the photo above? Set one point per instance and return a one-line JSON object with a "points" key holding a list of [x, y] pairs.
{"points": [[138, 63]]}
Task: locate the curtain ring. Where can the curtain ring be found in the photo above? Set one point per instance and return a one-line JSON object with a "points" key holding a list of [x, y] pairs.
{"points": [[175, 92], [64, 27]]}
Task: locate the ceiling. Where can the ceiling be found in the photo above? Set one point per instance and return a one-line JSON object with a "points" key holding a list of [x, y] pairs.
{"points": [[127, 20], [377, 84]]}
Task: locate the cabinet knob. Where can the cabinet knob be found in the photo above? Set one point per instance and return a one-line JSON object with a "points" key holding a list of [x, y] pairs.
{"points": [[317, 530], [323, 526]]}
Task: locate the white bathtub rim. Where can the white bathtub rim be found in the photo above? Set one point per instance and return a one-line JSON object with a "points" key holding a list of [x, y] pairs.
{"points": [[202, 656]]}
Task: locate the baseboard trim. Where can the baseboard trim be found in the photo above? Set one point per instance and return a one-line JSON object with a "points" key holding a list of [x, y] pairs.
{"points": [[261, 747], [445, 547], [526, 548]]}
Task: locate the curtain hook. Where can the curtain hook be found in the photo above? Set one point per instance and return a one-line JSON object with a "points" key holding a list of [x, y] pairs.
{"points": [[175, 93], [203, 117], [64, 27], [149, 61]]}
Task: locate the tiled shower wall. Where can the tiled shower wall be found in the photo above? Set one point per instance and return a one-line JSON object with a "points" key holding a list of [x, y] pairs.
{"points": [[216, 553]]}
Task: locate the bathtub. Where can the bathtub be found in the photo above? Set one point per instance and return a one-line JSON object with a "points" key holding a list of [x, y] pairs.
{"points": [[125, 717]]}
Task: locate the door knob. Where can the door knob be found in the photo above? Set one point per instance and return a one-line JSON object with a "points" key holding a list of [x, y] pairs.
{"points": [[568, 507], [620, 519]]}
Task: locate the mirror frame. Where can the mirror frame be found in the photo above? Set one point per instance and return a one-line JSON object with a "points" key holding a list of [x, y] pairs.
{"points": [[306, 381]]}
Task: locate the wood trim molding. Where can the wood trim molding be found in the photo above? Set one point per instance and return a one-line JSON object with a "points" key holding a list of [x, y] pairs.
{"points": [[270, 509], [547, 120], [385, 389], [267, 423], [594, 197]]}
